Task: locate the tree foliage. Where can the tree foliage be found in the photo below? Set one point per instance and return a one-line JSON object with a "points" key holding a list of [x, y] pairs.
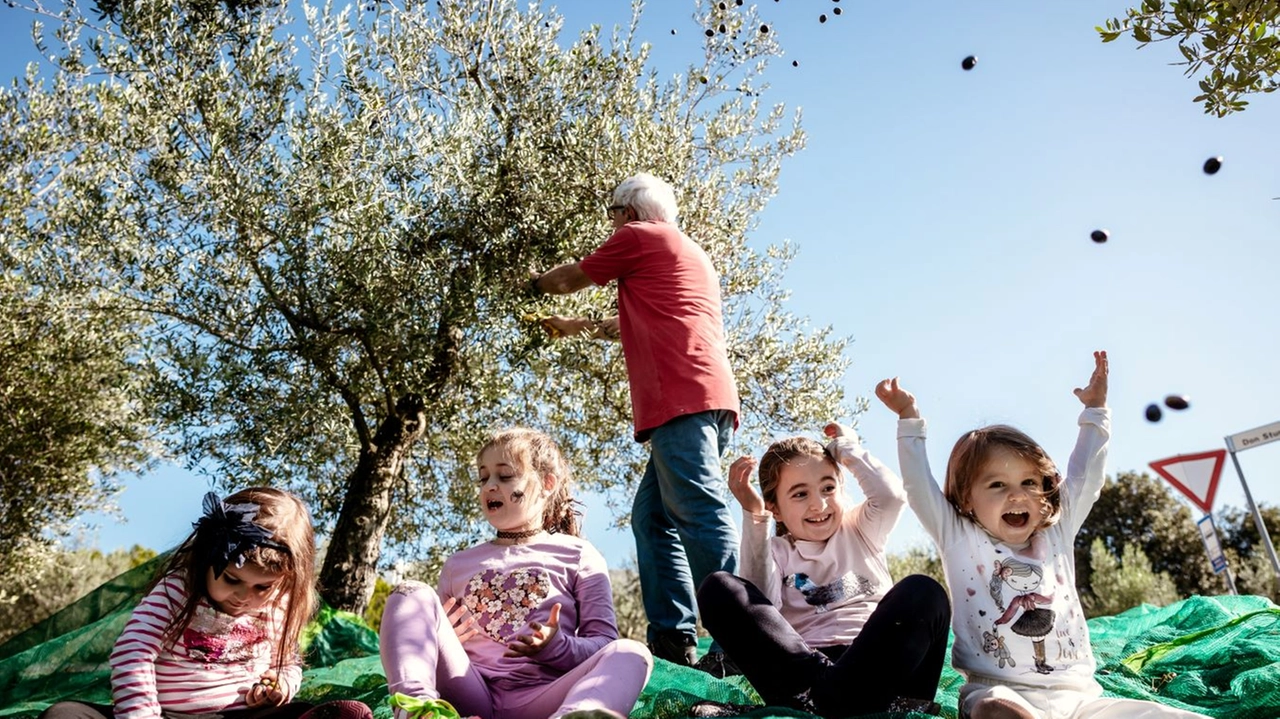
{"points": [[330, 221], [1138, 509], [70, 421], [917, 560], [1119, 584], [72, 573], [1233, 44], [1246, 556]]}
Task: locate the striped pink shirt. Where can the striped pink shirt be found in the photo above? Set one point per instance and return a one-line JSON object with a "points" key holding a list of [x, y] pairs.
{"points": [[206, 669]]}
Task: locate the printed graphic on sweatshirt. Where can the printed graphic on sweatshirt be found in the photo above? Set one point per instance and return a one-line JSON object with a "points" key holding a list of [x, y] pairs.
{"points": [[217, 638], [820, 596], [503, 601], [1031, 621]]}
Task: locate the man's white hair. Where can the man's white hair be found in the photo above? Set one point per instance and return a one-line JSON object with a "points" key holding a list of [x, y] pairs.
{"points": [[650, 197]]}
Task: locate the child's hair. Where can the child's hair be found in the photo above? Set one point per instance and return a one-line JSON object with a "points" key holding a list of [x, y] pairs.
{"points": [[536, 451], [779, 455], [973, 450], [289, 547]]}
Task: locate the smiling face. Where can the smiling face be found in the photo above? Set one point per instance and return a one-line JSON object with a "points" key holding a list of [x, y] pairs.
{"points": [[512, 497], [808, 498], [242, 590], [1006, 497]]}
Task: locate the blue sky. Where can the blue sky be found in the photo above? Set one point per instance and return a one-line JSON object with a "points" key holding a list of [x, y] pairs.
{"points": [[943, 222]]}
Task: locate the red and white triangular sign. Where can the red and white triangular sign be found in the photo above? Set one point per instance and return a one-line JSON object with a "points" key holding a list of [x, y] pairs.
{"points": [[1195, 475]]}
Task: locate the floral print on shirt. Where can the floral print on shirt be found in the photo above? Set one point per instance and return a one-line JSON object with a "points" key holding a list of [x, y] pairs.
{"points": [[504, 601]]}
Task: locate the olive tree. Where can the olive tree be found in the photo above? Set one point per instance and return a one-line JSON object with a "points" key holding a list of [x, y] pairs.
{"points": [[329, 215], [1234, 45]]}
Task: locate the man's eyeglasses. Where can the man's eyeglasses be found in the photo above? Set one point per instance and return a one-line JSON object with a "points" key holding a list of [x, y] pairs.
{"points": [[612, 210]]}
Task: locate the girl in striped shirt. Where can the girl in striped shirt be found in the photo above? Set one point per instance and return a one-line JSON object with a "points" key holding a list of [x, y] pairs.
{"points": [[218, 631]]}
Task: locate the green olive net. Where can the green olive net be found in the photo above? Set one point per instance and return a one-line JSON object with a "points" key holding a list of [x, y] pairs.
{"points": [[1218, 656]]}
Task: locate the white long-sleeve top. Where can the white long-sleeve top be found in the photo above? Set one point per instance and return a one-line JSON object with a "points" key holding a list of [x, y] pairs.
{"points": [[1031, 610], [827, 590], [217, 656]]}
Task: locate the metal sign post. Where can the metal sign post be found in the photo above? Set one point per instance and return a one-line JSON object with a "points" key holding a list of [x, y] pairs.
{"points": [[1248, 440], [1212, 547]]}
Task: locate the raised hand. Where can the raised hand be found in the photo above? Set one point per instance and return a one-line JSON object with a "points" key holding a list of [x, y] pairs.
{"points": [[897, 399], [740, 485], [835, 430], [462, 620], [1095, 393], [539, 635]]}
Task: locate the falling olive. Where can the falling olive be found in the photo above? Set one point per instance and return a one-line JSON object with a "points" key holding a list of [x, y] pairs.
{"points": [[711, 33], [795, 63], [822, 18], [836, 10], [764, 29], [1099, 236], [1153, 413], [969, 62], [1177, 401], [1212, 165]]}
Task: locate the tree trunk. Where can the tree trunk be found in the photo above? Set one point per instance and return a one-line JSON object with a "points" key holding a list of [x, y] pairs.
{"points": [[351, 562]]}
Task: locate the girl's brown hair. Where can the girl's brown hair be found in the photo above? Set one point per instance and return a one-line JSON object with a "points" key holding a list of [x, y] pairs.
{"points": [[289, 522], [779, 455], [974, 449], [537, 452]]}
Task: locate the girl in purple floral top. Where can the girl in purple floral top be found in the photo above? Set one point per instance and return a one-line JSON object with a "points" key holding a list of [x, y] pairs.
{"points": [[521, 626]]}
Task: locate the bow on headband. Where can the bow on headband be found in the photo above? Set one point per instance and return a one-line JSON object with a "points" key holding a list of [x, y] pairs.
{"points": [[227, 531]]}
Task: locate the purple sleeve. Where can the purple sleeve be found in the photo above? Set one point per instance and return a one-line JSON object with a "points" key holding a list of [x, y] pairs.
{"points": [[596, 625]]}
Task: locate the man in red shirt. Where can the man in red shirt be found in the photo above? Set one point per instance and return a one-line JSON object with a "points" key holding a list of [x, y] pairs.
{"points": [[684, 400]]}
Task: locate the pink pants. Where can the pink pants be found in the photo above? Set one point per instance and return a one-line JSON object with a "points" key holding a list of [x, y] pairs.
{"points": [[423, 658]]}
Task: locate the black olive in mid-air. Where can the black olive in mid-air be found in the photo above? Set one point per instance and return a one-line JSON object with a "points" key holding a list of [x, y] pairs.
{"points": [[1212, 165], [1099, 236], [969, 62], [1177, 401], [1153, 413]]}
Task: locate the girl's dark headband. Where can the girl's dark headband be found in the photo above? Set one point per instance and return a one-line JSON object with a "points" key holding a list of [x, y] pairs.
{"points": [[227, 531]]}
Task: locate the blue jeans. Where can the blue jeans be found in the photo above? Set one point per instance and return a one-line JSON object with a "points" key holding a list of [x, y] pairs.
{"points": [[681, 519]]}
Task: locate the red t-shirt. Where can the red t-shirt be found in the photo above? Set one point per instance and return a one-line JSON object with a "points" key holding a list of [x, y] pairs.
{"points": [[670, 321]]}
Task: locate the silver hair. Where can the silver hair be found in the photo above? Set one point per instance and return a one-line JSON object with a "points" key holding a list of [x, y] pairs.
{"points": [[650, 197]]}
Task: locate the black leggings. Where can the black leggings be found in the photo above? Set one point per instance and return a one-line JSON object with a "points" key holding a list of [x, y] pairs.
{"points": [[338, 709], [898, 653]]}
